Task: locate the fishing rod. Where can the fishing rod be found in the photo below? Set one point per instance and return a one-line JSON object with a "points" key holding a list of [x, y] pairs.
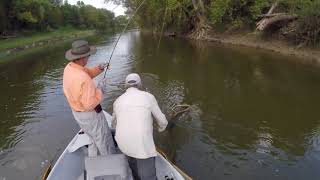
{"points": [[124, 29]]}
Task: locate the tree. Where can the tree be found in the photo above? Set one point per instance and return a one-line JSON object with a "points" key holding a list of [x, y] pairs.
{"points": [[30, 12], [56, 2], [194, 17], [80, 3], [4, 15], [17, 15], [121, 22], [54, 17], [71, 15]]}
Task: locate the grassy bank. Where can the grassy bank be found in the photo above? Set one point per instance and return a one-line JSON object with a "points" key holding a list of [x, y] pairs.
{"points": [[58, 47], [62, 33]]}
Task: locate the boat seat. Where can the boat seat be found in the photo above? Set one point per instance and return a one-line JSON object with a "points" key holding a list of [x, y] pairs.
{"points": [[110, 167]]}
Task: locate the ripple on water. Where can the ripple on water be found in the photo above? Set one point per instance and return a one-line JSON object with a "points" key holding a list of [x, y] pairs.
{"points": [[248, 119]]}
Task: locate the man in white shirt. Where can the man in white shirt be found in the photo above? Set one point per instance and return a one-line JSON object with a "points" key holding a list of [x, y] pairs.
{"points": [[133, 114]]}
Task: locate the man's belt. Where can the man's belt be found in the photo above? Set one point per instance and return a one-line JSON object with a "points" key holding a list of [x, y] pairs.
{"points": [[98, 108]]}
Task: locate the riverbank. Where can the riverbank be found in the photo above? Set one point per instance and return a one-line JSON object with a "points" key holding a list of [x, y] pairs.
{"points": [[255, 40], [14, 45]]}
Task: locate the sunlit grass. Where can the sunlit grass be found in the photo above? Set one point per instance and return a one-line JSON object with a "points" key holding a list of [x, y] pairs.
{"points": [[64, 33]]}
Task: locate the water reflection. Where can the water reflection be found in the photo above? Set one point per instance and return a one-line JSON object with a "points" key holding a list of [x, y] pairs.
{"points": [[254, 114], [256, 109]]}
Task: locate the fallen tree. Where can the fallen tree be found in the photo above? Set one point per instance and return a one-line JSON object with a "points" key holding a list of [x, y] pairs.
{"points": [[262, 22], [276, 19], [271, 19]]}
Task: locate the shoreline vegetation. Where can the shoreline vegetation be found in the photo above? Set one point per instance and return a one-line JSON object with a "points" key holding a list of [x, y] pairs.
{"points": [[250, 40], [290, 27], [17, 44], [26, 24]]}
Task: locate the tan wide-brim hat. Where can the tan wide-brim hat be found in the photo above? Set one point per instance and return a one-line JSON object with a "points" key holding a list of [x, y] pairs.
{"points": [[80, 49]]}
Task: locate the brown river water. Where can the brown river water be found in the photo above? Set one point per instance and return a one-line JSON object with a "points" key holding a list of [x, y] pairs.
{"points": [[254, 114]]}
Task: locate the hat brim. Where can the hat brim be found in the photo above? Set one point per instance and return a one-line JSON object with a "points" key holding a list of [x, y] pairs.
{"points": [[69, 56]]}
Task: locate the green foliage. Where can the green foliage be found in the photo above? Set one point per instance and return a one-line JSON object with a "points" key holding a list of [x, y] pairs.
{"points": [[27, 17], [175, 15], [308, 27], [236, 12], [3, 15], [121, 22], [55, 17], [182, 15], [218, 10], [303, 8], [56, 2], [259, 7], [30, 11], [43, 15]]}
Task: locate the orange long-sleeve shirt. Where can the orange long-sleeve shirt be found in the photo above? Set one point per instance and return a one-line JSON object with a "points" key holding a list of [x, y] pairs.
{"points": [[79, 88]]}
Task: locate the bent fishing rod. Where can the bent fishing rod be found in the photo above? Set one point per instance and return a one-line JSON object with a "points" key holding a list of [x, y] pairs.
{"points": [[124, 29]]}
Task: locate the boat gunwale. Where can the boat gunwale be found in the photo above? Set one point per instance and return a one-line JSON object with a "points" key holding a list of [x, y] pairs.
{"points": [[51, 167], [183, 174]]}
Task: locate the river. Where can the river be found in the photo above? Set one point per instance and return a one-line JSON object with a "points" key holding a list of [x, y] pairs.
{"points": [[254, 114]]}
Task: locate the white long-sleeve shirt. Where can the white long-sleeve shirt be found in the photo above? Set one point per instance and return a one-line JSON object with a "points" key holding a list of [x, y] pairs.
{"points": [[133, 114]]}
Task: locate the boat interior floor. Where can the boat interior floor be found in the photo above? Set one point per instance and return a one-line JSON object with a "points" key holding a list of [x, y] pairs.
{"points": [[116, 167]]}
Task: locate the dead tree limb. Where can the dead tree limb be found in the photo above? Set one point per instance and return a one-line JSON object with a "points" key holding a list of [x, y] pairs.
{"points": [[276, 19], [261, 23], [271, 15]]}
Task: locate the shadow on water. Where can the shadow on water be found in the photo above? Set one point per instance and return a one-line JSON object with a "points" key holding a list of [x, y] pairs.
{"points": [[254, 114]]}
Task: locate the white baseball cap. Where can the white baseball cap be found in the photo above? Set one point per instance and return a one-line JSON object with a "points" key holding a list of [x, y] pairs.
{"points": [[133, 79]]}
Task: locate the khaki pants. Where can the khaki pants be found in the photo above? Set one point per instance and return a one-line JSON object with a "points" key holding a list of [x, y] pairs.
{"points": [[96, 127]]}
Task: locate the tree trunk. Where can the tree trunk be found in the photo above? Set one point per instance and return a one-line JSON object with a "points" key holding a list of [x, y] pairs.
{"points": [[201, 26]]}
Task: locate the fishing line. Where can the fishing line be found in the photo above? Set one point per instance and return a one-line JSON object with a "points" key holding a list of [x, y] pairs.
{"points": [[115, 7], [130, 19]]}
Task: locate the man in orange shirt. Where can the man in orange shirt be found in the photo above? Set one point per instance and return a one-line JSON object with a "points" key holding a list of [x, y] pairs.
{"points": [[84, 97]]}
